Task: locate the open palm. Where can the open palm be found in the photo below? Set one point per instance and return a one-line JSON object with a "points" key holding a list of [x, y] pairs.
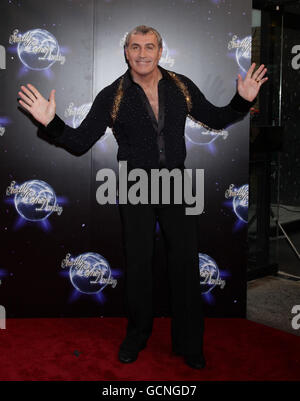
{"points": [[250, 86], [40, 108]]}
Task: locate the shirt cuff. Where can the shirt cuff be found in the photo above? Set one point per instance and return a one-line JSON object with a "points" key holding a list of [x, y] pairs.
{"points": [[238, 103], [56, 127]]}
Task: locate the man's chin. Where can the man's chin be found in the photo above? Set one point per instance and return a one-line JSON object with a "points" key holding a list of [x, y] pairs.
{"points": [[144, 69]]}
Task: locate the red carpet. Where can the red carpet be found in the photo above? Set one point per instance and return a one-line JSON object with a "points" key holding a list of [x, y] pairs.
{"points": [[86, 349]]}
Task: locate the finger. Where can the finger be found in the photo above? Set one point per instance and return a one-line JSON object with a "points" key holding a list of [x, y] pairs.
{"points": [[52, 96], [260, 76], [263, 80], [258, 71], [34, 90], [26, 98], [240, 79], [28, 93], [250, 71], [25, 105]]}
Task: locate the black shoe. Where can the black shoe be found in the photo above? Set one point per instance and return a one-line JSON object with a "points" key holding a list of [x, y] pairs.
{"points": [[195, 361], [126, 356]]}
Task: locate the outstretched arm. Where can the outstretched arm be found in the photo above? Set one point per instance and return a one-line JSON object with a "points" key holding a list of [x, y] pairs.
{"points": [[78, 140], [218, 118]]}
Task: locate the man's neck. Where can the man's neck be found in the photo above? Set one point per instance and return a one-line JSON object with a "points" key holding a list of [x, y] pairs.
{"points": [[149, 80]]}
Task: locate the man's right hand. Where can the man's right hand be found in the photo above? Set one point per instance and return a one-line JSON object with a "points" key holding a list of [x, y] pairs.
{"points": [[40, 108]]}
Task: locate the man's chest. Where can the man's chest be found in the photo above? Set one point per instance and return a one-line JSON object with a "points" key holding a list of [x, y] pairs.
{"points": [[137, 109], [152, 96]]}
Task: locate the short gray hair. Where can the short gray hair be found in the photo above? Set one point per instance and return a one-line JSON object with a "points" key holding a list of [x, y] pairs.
{"points": [[143, 29]]}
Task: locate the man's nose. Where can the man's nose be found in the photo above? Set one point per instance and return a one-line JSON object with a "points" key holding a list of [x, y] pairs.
{"points": [[142, 52]]}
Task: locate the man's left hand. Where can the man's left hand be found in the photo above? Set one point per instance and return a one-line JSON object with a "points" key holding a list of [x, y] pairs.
{"points": [[250, 86]]}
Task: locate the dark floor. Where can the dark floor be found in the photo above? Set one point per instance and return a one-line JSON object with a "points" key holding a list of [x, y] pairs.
{"points": [[270, 299]]}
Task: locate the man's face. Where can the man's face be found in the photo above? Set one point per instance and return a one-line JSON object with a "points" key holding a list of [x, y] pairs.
{"points": [[143, 53]]}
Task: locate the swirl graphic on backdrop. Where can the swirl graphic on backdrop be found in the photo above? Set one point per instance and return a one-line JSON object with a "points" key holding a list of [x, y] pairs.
{"points": [[4, 122], [239, 201], [34, 200], [89, 273], [209, 274], [242, 52], [166, 60], [78, 114], [4, 274], [37, 49], [200, 136], [198, 133]]}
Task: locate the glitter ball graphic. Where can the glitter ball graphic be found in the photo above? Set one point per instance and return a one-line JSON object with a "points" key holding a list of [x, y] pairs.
{"points": [[39, 51], [90, 273], [36, 200]]}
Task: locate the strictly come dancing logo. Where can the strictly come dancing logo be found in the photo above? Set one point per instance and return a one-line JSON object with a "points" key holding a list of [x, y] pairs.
{"points": [[37, 49], [242, 51], [34, 200], [166, 60], [199, 135], [210, 276], [77, 114], [238, 198], [4, 122], [89, 272]]}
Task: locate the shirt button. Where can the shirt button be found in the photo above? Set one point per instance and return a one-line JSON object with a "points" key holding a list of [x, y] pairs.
{"points": [[161, 150]]}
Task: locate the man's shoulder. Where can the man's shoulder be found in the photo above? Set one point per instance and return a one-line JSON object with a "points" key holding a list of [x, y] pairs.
{"points": [[181, 77], [176, 73], [107, 94], [185, 85]]}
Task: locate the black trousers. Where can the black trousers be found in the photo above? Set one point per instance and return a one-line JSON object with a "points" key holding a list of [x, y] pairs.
{"points": [[180, 236]]}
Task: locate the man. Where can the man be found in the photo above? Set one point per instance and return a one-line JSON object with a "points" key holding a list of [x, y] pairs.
{"points": [[147, 108]]}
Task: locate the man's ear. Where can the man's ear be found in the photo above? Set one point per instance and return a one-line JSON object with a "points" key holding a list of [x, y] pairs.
{"points": [[160, 52], [125, 55]]}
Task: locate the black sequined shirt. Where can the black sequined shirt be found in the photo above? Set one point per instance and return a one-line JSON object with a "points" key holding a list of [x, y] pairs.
{"points": [[143, 141]]}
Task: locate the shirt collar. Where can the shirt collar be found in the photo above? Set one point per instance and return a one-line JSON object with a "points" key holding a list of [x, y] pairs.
{"points": [[128, 81]]}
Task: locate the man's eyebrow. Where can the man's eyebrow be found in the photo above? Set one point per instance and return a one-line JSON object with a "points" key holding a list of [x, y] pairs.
{"points": [[147, 44]]}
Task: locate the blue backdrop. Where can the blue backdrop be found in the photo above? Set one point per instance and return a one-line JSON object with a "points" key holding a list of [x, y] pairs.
{"points": [[76, 47]]}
